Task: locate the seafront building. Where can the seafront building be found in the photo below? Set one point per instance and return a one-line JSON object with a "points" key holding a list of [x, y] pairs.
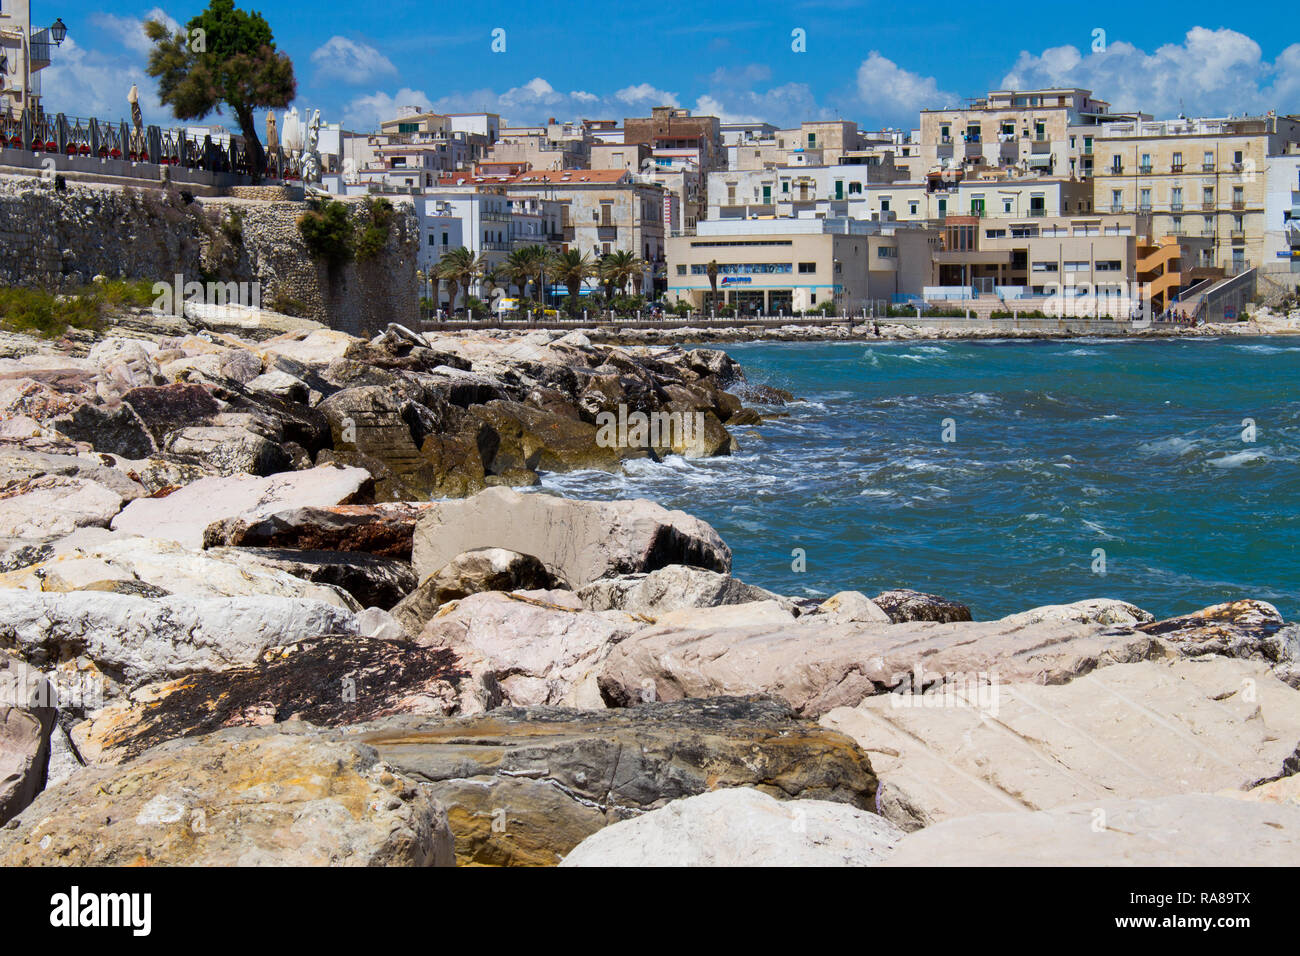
{"points": [[1200, 177], [1282, 208], [789, 266]]}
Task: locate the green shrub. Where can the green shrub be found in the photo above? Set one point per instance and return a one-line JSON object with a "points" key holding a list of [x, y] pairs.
{"points": [[374, 236], [327, 232], [37, 311]]}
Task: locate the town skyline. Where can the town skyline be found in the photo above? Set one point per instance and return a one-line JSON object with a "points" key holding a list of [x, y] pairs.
{"points": [[879, 74]]}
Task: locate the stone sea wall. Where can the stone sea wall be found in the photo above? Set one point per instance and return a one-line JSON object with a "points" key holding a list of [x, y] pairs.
{"points": [[62, 239]]}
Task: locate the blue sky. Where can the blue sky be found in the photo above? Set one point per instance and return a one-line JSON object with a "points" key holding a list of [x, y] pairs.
{"points": [[875, 63]]}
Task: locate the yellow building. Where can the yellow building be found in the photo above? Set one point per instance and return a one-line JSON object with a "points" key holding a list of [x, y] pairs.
{"points": [[1203, 178]]}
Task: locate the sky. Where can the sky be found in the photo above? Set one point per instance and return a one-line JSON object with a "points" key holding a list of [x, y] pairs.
{"points": [[876, 63]]}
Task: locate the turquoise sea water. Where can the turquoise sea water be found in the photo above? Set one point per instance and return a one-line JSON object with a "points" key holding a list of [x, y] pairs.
{"points": [[1060, 448]]}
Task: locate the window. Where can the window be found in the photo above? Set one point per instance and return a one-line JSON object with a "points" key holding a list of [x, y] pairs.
{"points": [[887, 252], [681, 270], [807, 267], [912, 207], [1116, 164], [995, 233], [1108, 265], [1044, 266], [1007, 204], [432, 240], [855, 189], [884, 203], [1076, 265], [444, 238]]}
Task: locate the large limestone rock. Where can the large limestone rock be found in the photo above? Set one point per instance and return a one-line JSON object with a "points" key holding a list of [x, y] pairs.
{"points": [[536, 440], [524, 786], [19, 465], [327, 682], [669, 589], [1181, 830], [742, 827], [474, 572], [256, 325], [531, 647], [152, 568], [1129, 730], [136, 639], [285, 796], [1106, 611], [383, 529], [818, 665], [581, 540], [184, 515], [55, 505], [27, 705]]}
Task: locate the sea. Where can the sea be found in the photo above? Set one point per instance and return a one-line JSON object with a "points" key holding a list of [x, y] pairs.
{"points": [[1007, 474]]}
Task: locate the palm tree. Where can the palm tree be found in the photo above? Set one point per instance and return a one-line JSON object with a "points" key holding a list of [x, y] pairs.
{"points": [[621, 266], [493, 277], [712, 270], [522, 267], [458, 268], [572, 267]]}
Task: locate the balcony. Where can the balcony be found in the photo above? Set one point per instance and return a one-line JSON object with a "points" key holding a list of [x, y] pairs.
{"points": [[1176, 168], [1237, 233], [1207, 167], [1145, 169], [1144, 207], [1040, 147], [1116, 207], [1238, 204], [1176, 207], [1038, 213], [1208, 206], [1207, 232]]}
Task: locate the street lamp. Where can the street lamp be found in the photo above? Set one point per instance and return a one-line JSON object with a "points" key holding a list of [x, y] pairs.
{"points": [[58, 31]]}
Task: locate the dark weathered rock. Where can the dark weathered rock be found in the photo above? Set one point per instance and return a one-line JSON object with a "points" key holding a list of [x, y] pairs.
{"points": [[383, 529], [484, 569], [373, 581], [117, 431], [328, 682], [1252, 630], [904, 605], [523, 786], [531, 439], [246, 796], [165, 408]]}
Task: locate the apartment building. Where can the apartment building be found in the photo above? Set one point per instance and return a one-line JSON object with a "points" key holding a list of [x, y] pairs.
{"points": [[672, 127], [1282, 210], [601, 210], [874, 192], [1045, 131], [1196, 177], [550, 147], [789, 266], [1066, 257]]}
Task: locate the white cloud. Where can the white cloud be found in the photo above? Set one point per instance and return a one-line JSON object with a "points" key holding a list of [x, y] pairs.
{"points": [[85, 83], [365, 113], [350, 62], [645, 95], [1211, 72], [893, 95], [129, 31]]}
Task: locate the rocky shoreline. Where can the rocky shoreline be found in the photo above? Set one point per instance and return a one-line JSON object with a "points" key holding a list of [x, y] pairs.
{"points": [[250, 562]]}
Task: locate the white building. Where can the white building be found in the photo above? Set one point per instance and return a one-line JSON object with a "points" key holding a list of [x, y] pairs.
{"points": [[1282, 210]]}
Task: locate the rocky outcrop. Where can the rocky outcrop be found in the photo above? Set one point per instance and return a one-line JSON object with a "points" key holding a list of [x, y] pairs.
{"points": [[1129, 730], [284, 796], [384, 529], [581, 540], [327, 682], [1251, 630], [1105, 611], [742, 827], [669, 589], [152, 568], [531, 647], [136, 639], [184, 515], [818, 665], [55, 505], [904, 605], [372, 581], [848, 607], [485, 569], [27, 708], [524, 786], [1176, 831]]}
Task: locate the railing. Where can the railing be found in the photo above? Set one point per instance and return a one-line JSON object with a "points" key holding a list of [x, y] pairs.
{"points": [[1208, 207], [1175, 207], [92, 138], [1145, 169], [1207, 167], [1176, 168]]}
